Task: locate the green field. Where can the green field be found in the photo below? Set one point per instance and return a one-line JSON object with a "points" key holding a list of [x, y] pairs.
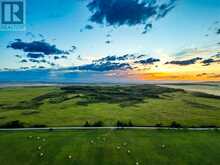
{"points": [[143, 105], [106, 147]]}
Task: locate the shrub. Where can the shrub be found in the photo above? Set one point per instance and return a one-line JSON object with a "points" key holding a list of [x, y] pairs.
{"points": [[130, 124], [13, 124], [159, 125], [98, 124], [174, 124], [208, 126], [87, 124], [123, 124], [38, 126]]}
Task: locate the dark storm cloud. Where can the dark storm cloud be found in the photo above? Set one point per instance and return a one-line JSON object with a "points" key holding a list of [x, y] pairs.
{"points": [[36, 47], [147, 61], [35, 55], [108, 66], [129, 12], [185, 62]]}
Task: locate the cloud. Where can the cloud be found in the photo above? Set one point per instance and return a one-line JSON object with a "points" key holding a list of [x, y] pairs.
{"points": [[89, 27], [24, 68], [23, 61], [185, 62], [29, 34], [129, 12], [43, 61], [36, 47], [73, 48], [64, 57], [107, 59], [217, 55], [209, 75], [147, 61], [51, 63], [41, 67], [215, 76], [34, 60], [218, 32], [108, 35], [18, 56], [56, 57], [108, 42], [202, 74], [209, 61], [128, 57], [35, 55], [147, 28], [39, 51], [125, 57], [102, 67]]}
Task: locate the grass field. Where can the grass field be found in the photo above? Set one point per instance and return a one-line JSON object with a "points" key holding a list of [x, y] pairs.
{"points": [[144, 105], [106, 147]]}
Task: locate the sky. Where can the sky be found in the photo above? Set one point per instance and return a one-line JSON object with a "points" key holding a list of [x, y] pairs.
{"points": [[114, 41]]}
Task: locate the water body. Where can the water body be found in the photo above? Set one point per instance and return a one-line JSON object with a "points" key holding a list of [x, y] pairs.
{"points": [[209, 88]]}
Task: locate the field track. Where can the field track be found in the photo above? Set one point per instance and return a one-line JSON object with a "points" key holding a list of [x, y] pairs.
{"points": [[105, 128]]}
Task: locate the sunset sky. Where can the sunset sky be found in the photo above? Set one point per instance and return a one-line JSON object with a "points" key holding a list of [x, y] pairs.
{"points": [[114, 41]]}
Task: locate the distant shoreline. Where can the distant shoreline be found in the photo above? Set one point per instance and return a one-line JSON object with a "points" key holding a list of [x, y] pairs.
{"points": [[26, 84]]}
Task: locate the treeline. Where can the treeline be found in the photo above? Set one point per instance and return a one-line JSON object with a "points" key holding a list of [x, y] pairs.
{"points": [[19, 124], [119, 124]]}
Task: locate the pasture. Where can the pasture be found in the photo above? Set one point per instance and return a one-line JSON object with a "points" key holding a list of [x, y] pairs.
{"points": [[143, 105]]}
